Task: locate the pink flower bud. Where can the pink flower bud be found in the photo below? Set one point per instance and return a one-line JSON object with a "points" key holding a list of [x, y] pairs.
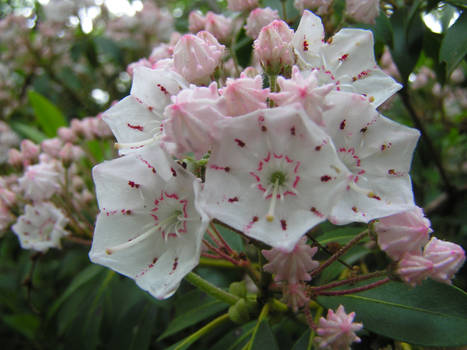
{"points": [[274, 47], [160, 52], [241, 5], [243, 95], [41, 181], [413, 269], [337, 330], [291, 267], [66, 154], [296, 296], [52, 146], [319, 6], [15, 157], [447, 258], [66, 134], [404, 232], [259, 18], [143, 62], [364, 11], [29, 150], [219, 26], [196, 21], [197, 56]]}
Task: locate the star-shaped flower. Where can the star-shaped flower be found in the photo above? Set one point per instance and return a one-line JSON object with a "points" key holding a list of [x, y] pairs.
{"points": [[347, 59], [150, 226], [268, 175]]}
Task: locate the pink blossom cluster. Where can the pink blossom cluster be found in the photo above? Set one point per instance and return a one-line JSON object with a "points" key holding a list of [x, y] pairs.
{"points": [[45, 187]]}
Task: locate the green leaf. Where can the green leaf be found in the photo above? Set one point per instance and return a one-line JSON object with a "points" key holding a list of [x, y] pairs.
{"points": [[49, 117], [192, 317], [433, 314], [236, 338], [336, 268], [26, 324], [83, 278], [454, 45], [264, 338], [340, 235], [29, 132], [303, 343]]}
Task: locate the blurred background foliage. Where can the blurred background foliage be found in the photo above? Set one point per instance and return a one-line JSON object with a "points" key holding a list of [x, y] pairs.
{"points": [[78, 64]]}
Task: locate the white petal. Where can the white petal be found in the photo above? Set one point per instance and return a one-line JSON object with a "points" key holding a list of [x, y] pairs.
{"points": [[308, 39]]}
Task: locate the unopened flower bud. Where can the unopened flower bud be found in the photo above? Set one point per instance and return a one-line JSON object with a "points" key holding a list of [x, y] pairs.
{"points": [[52, 146], [219, 26], [29, 150], [319, 6], [66, 154], [447, 258], [259, 18], [15, 158], [364, 11], [66, 134], [274, 47], [241, 5], [196, 21]]}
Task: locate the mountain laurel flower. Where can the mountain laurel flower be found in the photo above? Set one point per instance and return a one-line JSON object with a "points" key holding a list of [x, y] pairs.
{"points": [[136, 120], [377, 153], [150, 224], [219, 26], [40, 227], [191, 121], [346, 60], [196, 57], [296, 295], [364, 11], [41, 181], [52, 146], [277, 163], [291, 267], [196, 21], [273, 47], [321, 6], [414, 268], [258, 18], [447, 258], [337, 330], [304, 89], [404, 232], [243, 95], [241, 5], [30, 151]]}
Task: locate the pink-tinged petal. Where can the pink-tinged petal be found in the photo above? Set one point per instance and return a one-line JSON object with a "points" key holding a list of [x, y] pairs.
{"points": [[447, 259], [150, 225], [281, 141], [309, 39]]}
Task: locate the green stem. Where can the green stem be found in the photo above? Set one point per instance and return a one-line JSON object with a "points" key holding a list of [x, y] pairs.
{"points": [[204, 330], [284, 10], [211, 289], [217, 263]]}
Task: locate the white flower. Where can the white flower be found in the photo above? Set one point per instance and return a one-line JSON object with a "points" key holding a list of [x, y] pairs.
{"points": [[41, 181], [150, 227], [268, 175], [136, 120], [41, 227], [377, 152], [347, 60]]}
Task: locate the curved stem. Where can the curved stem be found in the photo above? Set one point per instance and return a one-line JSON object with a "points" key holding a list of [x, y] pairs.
{"points": [[211, 289], [339, 253], [347, 281], [202, 331], [356, 290]]}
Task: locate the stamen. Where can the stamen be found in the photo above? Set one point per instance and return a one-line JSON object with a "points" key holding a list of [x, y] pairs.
{"points": [[137, 144], [164, 223], [272, 206]]}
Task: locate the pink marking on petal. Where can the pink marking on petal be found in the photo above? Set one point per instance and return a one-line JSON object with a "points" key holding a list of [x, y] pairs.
{"points": [[240, 143], [343, 57], [295, 183], [342, 125], [316, 212], [135, 127], [288, 159], [163, 89], [295, 170], [284, 224], [255, 176], [147, 164], [268, 157], [132, 184], [278, 156], [292, 130], [233, 199]]}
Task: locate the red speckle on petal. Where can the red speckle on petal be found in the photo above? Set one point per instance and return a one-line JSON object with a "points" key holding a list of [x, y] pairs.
{"points": [[316, 212], [254, 219], [318, 148], [174, 173], [342, 125], [233, 199], [154, 260], [292, 130], [163, 89], [364, 130], [284, 224], [374, 196], [132, 184], [264, 128], [305, 45], [325, 178], [354, 209], [227, 169], [343, 57], [174, 266], [240, 143], [135, 127]]}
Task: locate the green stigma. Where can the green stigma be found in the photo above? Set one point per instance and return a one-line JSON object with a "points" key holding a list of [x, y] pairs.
{"points": [[279, 177]]}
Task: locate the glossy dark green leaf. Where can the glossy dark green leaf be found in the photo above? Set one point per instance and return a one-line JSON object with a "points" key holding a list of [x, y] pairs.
{"points": [[49, 117], [433, 314], [303, 343], [192, 317], [264, 338], [25, 324], [29, 132], [236, 338], [454, 45]]}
